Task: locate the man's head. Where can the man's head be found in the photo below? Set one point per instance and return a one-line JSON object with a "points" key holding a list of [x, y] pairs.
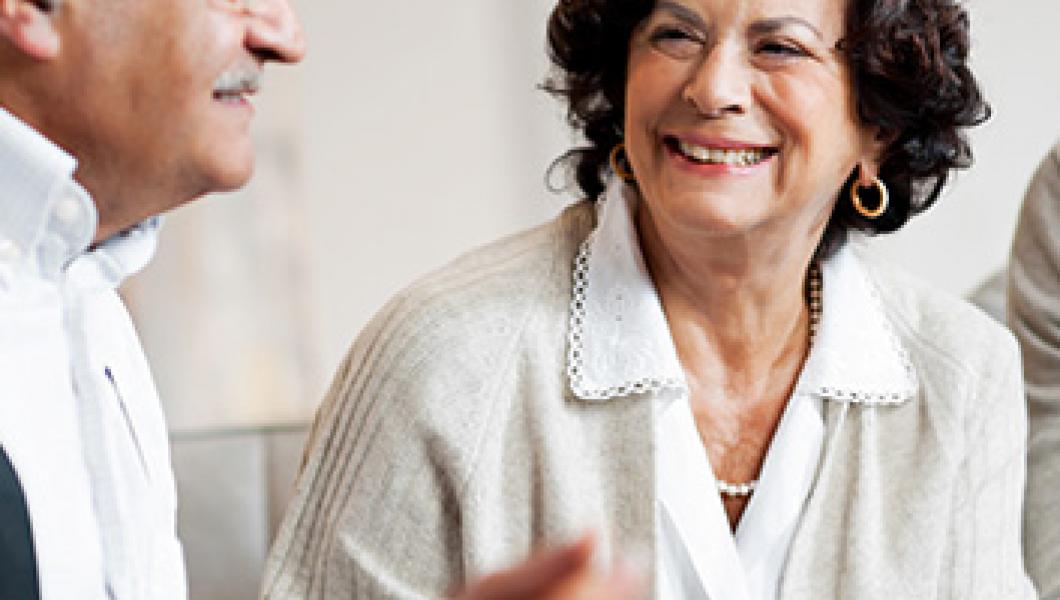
{"points": [[149, 95]]}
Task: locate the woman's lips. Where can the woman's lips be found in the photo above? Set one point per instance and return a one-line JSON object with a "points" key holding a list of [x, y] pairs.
{"points": [[718, 157], [719, 153]]}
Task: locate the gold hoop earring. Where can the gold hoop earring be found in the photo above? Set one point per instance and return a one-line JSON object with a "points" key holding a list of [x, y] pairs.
{"points": [[859, 204], [620, 163]]}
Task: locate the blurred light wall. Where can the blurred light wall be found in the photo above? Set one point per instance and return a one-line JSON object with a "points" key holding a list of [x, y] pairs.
{"points": [[967, 235]]}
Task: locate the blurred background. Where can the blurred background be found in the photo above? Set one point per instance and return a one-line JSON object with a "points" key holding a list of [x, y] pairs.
{"points": [[413, 132]]}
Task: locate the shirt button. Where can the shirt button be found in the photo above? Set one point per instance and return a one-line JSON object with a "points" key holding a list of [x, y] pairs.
{"points": [[68, 210], [9, 251]]}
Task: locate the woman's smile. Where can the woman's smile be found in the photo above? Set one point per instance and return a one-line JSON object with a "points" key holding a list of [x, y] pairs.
{"points": [[714, 156], [747, 93]]}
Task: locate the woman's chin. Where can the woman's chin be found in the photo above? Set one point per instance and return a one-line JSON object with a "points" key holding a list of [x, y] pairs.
{"points": [[715, 214]]}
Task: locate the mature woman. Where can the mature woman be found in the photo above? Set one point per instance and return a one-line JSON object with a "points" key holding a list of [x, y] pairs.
{"points": [[695, 363]]}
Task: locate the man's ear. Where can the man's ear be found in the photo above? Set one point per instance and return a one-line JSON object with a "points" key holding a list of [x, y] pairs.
{"points": [[28, 25]]}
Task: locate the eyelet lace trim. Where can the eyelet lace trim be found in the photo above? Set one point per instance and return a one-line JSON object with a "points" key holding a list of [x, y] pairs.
{"points": [[890, 398], [885, 398], [575, 366]]}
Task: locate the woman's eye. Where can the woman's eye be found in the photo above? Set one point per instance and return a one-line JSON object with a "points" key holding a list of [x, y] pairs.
{"points": [[781, 49], [670, 33], [674, 41]]}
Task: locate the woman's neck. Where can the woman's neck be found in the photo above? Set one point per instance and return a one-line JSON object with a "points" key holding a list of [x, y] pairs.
{"points": [[736, 305]]}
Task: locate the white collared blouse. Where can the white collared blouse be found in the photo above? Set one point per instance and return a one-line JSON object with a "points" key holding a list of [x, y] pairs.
{"points": [[514, 399], [620, 342], [79, 415]]}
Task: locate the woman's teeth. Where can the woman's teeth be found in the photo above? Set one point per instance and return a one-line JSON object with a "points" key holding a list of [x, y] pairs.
{"points": [[717, 156]]}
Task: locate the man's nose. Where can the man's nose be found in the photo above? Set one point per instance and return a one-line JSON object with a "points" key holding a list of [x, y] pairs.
{"points": [[274, 32]]}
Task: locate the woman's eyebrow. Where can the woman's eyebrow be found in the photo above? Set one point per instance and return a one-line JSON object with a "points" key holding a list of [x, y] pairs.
{"points": [[773, 25], [682, 12]]}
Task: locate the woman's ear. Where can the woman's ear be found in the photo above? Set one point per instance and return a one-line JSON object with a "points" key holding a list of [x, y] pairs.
{"points": [[866, 172], [29, 27], [868, 168]]}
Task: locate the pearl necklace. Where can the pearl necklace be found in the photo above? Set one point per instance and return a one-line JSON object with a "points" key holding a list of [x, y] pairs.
{"points": [[813, 302]]}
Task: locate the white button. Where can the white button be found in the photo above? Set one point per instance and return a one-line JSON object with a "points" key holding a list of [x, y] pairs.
{"points": [[68, 210], [9, 251]]}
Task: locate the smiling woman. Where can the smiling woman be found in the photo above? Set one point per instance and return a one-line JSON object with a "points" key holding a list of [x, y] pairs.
{"points": [[695, 361], [916, 92]]}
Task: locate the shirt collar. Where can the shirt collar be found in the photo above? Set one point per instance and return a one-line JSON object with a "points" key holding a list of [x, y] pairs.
{"points": [[857, 356], [48, 219], [620, 343]]}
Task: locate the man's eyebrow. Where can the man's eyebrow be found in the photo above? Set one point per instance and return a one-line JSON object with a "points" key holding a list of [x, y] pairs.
{"points": [[775, 24], [682, 12]]}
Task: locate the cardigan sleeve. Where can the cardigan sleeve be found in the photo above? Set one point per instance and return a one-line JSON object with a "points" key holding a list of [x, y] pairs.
{"points": [[1034, 315], [376, 509], [381, 507]]}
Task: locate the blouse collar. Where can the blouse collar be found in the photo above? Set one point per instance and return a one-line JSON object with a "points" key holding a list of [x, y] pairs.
{"points": [[620, 344]]}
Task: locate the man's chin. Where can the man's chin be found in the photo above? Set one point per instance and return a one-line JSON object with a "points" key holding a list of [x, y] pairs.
{"points": [[231, 176]]}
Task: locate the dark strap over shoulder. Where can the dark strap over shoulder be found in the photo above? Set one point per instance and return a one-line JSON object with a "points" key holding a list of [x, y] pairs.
{"points": [[18, 562]]}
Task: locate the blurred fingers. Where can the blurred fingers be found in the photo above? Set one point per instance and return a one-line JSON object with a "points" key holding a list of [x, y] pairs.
{"points": [[535, 578]]}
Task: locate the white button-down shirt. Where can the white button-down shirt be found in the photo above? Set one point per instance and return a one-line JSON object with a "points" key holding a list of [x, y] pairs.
{"points": [[621, 344], [79, 415]]}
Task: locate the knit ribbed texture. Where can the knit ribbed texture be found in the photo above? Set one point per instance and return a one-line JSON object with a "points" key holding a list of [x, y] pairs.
{"points": [[450, 444], [1034, 315]]}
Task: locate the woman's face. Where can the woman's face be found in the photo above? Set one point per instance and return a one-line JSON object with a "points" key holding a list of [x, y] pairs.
{"points": [[740, 114]]}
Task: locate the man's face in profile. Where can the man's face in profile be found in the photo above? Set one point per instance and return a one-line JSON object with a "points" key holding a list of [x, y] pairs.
{"points": [[158, 91]]}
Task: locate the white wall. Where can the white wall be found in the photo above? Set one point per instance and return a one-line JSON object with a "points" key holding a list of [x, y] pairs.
{"points": [[424, 137], [967, 235]]}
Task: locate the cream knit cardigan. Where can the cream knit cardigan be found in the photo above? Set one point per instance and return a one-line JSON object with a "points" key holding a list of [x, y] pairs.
{"points": [[450, 444]]}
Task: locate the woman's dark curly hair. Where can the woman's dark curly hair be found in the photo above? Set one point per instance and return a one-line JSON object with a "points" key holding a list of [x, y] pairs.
{"points": [[909, 65]]}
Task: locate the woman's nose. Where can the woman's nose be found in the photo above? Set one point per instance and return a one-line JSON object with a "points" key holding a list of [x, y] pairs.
{"points": [[720, 83]]}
